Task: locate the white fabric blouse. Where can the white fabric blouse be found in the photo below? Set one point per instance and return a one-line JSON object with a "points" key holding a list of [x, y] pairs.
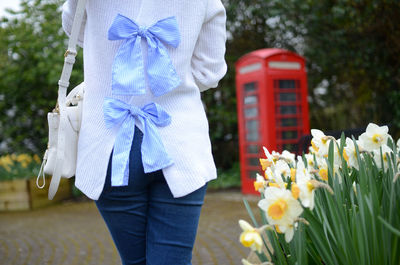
{"points": [[199, 62]]}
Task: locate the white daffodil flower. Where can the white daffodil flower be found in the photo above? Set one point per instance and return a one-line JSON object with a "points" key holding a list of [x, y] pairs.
{"points": [[320, 142], [289, 157], [310, 161], [349, 154], [386, 151], [306, 190], [270, 159], [287, 230], [282, 169], [374, 137], [280, 206], [260, 183], [337, 158], [269, 175], [322, 169], [303, 186], [250, 237]]}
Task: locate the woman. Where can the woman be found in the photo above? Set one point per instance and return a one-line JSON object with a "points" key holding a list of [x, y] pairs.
{"points": [[144, 153]]}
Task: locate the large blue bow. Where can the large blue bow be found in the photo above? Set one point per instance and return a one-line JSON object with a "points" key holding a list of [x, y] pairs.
{"points": [[128, 70], [154, 156]]}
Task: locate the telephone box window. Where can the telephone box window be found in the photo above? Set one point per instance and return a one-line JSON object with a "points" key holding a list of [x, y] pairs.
{"points": [[252, 149], [287, 109], [250, 112], [252, 136], [252, 125], [290, 147], [288, 122], [250, 87], [254, 161], [252, 130], [250, 100], [252, 174], [289, 135], [288, 97], [285, 84]]}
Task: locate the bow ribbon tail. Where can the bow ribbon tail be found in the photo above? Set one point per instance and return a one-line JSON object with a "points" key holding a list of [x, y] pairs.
{"points": [[154, 156], [128, 70], [122, 147], [161, 73]]}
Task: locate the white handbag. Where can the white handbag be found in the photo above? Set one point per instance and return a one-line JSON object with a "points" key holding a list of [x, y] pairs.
{"points": [[65, 120]]}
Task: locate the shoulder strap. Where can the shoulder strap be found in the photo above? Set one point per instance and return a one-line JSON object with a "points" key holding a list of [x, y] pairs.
{"points": [[63, 85]]}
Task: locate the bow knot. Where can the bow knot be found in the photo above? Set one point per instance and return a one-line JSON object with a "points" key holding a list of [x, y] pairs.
{"points": [[128, 73], [136, 112], [142, 32], [154, 156]]}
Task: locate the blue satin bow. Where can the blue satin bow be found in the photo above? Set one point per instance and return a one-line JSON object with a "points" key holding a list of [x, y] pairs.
{"points": [[154, 156], [128, 71]]}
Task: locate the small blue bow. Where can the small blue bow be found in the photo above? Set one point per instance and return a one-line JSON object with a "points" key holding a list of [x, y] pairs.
{"points": [[128, 71], [154, 156]]}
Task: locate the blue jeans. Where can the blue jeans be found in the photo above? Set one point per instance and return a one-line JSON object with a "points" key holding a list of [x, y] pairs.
{"points": [[148, 225]]}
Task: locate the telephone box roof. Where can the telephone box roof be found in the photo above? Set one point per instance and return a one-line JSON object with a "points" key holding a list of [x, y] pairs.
{"points": [[267, 52]]}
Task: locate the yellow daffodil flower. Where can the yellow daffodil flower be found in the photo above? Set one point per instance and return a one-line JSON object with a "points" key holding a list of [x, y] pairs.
{"points": [[250, 237]]}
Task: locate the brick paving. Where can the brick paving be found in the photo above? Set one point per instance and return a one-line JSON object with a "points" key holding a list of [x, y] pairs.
{"points": [[73, 233]]}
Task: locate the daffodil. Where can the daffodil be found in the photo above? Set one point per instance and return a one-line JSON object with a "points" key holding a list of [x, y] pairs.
{"points": [[274, 178], [337, 156], [265, 163], [269, 175], [271, 158], [349, 154], [320, 142], [288, 157], [303, 187], [386, 151], [288, 230], [310, 161], [260, 183], [374, 137], [250, 237], [280, 206], [282, 169], [323, 170], [295, 190], [246, 262]]}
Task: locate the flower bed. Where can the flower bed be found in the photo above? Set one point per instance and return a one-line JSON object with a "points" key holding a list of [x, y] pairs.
{"points": [[18, 190], [339, 204]]}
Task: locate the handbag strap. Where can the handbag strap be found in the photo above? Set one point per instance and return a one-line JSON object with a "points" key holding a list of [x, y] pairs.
{"points": [[63, 85]]}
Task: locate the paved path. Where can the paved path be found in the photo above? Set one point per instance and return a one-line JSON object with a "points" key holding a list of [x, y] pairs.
{"points": [[73, 233]]}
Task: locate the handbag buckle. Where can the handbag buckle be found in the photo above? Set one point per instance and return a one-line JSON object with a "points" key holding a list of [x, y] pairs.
{"points": [[56, 108], [67, 52]]}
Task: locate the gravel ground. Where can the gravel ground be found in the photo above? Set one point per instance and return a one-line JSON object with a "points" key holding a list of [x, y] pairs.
{"points": [[73, 233]]}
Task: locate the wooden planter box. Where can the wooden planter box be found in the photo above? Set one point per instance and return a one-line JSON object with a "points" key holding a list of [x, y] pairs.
{"points": [[23, 194]]}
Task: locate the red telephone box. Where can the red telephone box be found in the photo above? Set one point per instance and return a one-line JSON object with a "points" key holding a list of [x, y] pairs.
{"points": [[271, 88]]}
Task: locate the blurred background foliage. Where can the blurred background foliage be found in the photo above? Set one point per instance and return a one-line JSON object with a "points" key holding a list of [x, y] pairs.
{"points": [[352, 50]]}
